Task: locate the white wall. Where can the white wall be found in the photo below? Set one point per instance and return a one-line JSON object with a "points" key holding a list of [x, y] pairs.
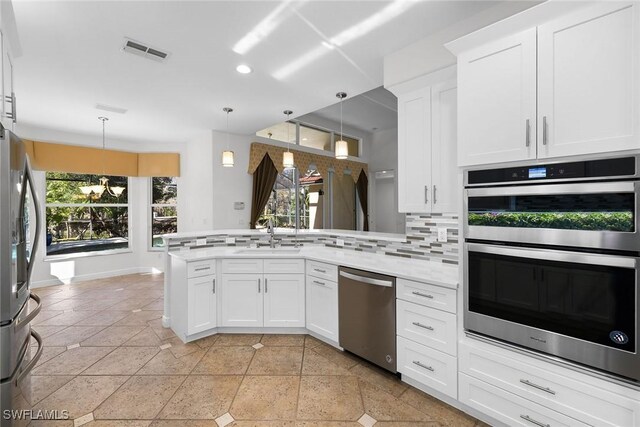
{"points": [[231, 184], [429, 54], [383, 199]]}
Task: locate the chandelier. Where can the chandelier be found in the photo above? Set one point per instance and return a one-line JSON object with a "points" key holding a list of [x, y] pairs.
{"points": [[95, 192]]}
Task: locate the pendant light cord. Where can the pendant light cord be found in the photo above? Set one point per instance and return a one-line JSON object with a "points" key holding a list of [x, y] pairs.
{"points": [[341, 134], [228, 130]]}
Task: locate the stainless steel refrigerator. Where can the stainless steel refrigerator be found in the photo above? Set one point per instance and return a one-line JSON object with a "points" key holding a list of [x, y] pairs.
{"points": [[18, 305]]}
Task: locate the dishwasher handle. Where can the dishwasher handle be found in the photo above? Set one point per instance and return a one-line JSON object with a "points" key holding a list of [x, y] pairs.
{"points": [[367, 280]]}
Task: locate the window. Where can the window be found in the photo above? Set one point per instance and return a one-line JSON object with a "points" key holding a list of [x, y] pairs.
{"points": [[77, 223], [309, 135], [311, 201], [164, 209]]}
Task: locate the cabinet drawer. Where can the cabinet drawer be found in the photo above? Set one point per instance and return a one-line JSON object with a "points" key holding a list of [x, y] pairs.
{"points": [[322, 270], [427, 295], [428, 366], [427, 326], [509, 408], [284, 265], [201, 268], [564, 392], [242, 265]]}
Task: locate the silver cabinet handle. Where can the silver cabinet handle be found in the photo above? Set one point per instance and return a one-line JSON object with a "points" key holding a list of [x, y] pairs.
{"points": [[539, 387], [319, 283], [435, 200], [426, 194], [319, 271], [420, 294], [544, 130], [528, 134], [532, 421], [203, 268], [266, 285], [420, 325], [214, 286], [258, 285], [428, 368]]}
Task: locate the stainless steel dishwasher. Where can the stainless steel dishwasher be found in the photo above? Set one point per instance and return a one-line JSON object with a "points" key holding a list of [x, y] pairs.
{"points": [[367, 314]]}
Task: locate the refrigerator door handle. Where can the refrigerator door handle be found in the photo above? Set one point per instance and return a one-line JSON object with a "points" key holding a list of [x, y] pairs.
{"points": [[25, 371], [36, 203], [22, 322]]}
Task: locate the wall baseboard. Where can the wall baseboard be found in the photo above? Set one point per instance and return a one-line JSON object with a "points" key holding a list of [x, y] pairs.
{"points": [[93, 276]]}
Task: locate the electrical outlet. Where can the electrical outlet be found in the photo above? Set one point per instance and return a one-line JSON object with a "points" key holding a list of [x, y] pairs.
{"points": [[201, 242], [339, 242], [442, 234], [230, 240]]}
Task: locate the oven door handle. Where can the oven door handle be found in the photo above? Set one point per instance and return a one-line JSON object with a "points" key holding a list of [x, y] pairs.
{"points": [[553, 189], [555, 255]]}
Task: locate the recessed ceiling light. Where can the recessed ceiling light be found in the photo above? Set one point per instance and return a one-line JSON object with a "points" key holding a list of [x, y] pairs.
{"points": [[243, 69]]}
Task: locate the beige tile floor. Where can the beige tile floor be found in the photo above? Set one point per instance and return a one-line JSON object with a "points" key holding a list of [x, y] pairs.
{"points": [[109, 362]]}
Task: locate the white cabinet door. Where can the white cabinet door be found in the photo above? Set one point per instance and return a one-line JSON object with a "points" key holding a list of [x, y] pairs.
{"points": [[284, 300], [322, 307], [202, 304], [497, 101], [589, 81], [241, 299], [414, 151], [444, 170]]}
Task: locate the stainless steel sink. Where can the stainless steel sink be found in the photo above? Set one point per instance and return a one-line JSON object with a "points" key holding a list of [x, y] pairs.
{"points": [[283, 251]]}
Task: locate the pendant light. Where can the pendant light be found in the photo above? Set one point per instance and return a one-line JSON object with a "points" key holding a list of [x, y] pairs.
{"points": [[227, 155], [287, 156], [96, 191], [342, 149]]}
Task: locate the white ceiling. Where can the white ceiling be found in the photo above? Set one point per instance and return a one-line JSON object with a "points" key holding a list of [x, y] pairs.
{"points": [[72, 60]]}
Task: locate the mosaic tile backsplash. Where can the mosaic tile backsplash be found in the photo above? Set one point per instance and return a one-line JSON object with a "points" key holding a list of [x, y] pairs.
{"points": [[421, 240]]}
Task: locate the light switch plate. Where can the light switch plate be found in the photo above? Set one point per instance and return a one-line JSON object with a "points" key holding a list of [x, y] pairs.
{"points": [[230, 240], [442, 234], [339, 242], [201, 242]]}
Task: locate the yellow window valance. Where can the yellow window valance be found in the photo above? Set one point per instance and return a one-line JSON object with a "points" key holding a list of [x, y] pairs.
{"points": [[47, 156], [303, 159]]}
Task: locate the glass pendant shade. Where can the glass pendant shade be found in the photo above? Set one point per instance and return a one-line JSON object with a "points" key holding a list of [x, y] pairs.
{"points": [[227, 159], [342, 150], [287, 159]]}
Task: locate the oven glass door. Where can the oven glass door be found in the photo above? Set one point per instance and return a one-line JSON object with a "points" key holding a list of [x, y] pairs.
{"points": [[584, 296], [587, 207]]}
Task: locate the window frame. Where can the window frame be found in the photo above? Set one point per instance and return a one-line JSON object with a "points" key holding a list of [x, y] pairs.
{"points": [[59, 257], [150, 247]]}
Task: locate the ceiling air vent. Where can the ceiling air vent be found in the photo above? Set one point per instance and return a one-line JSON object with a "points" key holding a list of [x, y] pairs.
{"points": [[140, 49]]}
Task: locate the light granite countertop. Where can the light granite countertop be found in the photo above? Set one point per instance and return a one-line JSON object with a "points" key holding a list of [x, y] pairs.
{"points": [[433, 272]]}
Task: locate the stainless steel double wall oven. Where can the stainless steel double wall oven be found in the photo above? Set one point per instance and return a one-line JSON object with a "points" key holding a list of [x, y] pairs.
{"points": [[551, 260]]}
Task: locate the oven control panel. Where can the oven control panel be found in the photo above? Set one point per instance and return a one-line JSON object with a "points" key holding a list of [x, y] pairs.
{"points": [[625, 166]]}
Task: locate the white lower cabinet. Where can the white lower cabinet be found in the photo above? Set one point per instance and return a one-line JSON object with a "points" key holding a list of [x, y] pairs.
{"points": [[241, 296], [430, 367], [588, 399], [284, 300], [509, 408], [202, 304], [424, 325], [257, 300], [322, 307]]}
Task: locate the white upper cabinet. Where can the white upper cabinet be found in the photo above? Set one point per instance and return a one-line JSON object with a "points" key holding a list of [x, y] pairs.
{"points": [[444, 176], [497, 101], [414, 151], [427, 134], [570, 85], [588, 81]]}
